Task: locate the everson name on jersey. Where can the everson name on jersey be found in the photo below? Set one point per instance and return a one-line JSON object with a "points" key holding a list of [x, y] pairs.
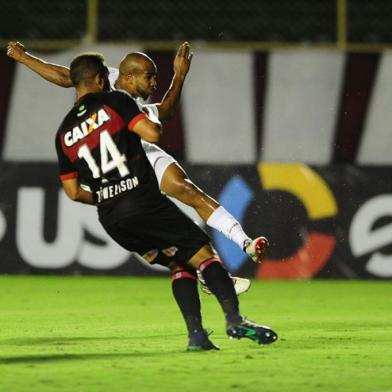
{"points": [[85, 127], [107, 192]]}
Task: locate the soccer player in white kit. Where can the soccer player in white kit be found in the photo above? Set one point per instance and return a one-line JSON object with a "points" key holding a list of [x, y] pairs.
{"points": [[172, 179]]}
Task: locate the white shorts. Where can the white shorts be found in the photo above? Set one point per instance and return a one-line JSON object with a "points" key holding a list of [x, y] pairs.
{"points": [[159, 159]]}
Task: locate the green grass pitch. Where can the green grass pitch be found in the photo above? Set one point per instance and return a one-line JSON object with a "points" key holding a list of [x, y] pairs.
{"points": [[126, 334]]}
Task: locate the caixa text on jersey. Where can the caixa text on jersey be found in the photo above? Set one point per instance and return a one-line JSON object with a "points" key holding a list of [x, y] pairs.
{"points": [[110, 191]]}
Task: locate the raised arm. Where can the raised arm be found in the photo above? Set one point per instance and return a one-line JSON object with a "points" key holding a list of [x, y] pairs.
{"points": [[57, 74], [181, 65]]}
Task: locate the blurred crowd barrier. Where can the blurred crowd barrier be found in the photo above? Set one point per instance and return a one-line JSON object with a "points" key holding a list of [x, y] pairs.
{"points": [[257, 22], [237, 107]]}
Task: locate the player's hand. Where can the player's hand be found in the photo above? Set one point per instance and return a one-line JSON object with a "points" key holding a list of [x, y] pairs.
{"points": [[183, 59], [16, 51]]}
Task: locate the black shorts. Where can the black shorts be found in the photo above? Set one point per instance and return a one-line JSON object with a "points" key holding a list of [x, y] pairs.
{"points": [[161, 235]]}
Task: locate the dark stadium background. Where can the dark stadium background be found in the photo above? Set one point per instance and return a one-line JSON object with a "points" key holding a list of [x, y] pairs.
{"points": [[285, 118]]}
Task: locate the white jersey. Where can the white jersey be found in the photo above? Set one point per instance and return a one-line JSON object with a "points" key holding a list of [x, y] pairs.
{"points": [[113, 76], [158, 158]]}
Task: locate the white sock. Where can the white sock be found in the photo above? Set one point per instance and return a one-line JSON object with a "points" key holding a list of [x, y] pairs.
{"points": [[226, 224]]}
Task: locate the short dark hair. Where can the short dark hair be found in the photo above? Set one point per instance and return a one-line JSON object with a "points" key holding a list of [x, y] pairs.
{"points": [[86, 66]]}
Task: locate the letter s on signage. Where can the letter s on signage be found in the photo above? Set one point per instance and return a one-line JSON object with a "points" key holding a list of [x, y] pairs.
{"points": [[365, 239]]}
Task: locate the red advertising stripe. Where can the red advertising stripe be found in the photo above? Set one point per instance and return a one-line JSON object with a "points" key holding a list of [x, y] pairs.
{"points": [[304, 264], [359, 77], [260, 77]]}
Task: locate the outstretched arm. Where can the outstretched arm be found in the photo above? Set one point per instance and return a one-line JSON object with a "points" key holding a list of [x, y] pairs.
{"points": [[53, 73], [181, 65]]}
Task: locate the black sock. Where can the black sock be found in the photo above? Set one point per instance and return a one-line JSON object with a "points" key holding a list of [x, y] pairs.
{"points": [[221, 285], [184, 286]]}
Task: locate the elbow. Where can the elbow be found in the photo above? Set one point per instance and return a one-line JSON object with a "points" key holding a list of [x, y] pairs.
{"points": [[155, 134], [73, 194], [64, 81], [154, 140], [67, 84], [155, 137]]}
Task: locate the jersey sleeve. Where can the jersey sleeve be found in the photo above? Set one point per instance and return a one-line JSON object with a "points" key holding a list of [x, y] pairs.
{"points": [[127, 107], [152, 112], [66, 168]]}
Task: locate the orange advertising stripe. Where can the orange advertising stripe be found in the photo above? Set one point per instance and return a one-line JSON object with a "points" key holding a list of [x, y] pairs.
{"points": [[304, 264]]}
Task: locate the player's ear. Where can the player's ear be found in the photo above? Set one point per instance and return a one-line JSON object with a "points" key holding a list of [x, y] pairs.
{"points": [[99, 80], [130, 77]]}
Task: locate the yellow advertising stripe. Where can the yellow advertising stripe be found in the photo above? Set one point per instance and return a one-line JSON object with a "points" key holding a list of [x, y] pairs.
{"points": [[304, 183]]}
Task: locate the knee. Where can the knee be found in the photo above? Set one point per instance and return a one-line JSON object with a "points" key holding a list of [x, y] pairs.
{"points": [[188, 193], [204, 254], [174, 267]]}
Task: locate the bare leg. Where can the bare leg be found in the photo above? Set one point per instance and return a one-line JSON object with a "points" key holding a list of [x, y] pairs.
{"points": [[175, 183]]}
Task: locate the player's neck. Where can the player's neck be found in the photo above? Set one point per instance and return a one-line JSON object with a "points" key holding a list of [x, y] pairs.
{"points": [[82, 91], [122, 85]]}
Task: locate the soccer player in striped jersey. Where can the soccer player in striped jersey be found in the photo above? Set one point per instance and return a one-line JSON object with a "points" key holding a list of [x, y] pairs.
{"points": [[99, 140]]}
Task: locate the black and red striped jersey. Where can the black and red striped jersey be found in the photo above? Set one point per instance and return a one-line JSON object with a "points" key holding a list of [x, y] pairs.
{"points": [[95, 143]]}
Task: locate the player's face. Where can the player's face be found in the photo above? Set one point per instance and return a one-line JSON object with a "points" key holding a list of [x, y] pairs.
{"points": [[146, 80]]}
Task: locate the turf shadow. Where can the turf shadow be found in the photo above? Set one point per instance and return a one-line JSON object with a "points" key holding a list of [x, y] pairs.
{"points": [[68, 340], [41, 359]]}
